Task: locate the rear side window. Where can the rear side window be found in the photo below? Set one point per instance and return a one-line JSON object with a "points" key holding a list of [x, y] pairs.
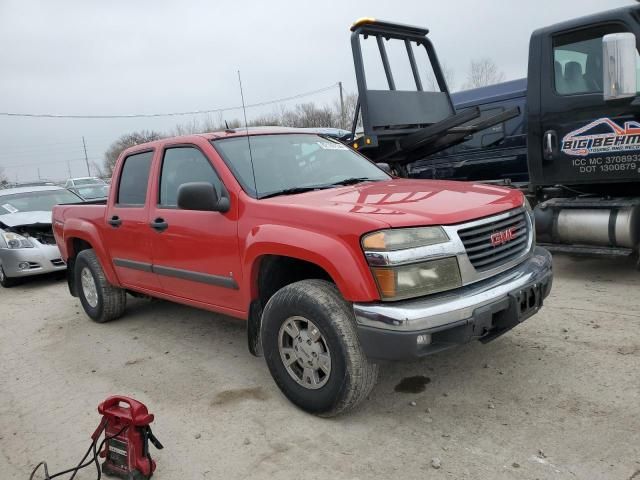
{"points": [[184, 165], [134, 179]]}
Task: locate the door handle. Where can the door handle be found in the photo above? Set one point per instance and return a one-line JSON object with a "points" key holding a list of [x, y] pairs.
{"points": [[550, 143], [159, 225], [115, 221]]}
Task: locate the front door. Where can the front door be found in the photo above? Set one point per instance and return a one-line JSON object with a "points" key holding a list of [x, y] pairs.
{"points": [[195, 254], [585, 139], [126, 231]]}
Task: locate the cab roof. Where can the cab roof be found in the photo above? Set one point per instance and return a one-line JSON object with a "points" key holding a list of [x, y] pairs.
{"points": [[629, 13], [235, 132]]}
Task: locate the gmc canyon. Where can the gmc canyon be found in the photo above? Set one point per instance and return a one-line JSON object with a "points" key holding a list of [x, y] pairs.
{"points": [[334, 264]]}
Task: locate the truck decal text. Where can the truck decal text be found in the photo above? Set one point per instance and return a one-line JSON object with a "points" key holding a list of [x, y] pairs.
{"points": [[619, 139]]}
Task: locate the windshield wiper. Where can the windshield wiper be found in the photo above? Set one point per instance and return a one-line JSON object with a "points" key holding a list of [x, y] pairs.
{"points": [[292, 191], [353, 181]]}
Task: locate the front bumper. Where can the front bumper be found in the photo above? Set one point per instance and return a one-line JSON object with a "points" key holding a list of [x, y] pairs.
{"points": [[483, 310], [35, 261]]}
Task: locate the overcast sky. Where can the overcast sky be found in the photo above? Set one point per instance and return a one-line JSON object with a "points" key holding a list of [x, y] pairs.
{"points": [[121, 56]]}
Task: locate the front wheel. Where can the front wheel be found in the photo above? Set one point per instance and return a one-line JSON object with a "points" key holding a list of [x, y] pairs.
{"points": [[312, 350], [7, 282], [101, 301]]}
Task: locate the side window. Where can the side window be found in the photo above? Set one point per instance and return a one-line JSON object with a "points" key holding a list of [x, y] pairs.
{"points": [[577, 60], [134, 179], [183, 165]]}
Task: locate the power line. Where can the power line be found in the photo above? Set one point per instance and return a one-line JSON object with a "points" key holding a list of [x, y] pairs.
{"points": [[49, 162], [170, 114]]}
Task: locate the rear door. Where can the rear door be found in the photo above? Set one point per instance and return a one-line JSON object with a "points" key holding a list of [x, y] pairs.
{"points": [[127, 234], [195, 253], [584, 139]]}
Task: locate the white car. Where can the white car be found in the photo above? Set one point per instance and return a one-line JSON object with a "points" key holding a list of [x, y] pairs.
{"points": [[27, 246], [83, 182]]}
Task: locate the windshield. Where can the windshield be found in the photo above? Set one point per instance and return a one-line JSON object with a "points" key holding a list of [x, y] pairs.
{"points": [[88, 181], [289, 162], [93, 191], [35, 201]]}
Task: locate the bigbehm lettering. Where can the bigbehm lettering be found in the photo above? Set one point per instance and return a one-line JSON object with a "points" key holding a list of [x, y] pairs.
{"points": [[580, 142]]}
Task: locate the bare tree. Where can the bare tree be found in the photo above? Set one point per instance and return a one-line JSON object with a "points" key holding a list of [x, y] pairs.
{"points": [[350, 102], [4, 181], [449, 77], [483, 72], [126, 141], [274, 118]]}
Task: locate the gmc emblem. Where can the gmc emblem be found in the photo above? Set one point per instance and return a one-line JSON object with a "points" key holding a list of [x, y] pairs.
{"points": [[504, 236]]}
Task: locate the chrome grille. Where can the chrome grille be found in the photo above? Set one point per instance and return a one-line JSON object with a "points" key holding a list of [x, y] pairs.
{"points": [[481, 251]]}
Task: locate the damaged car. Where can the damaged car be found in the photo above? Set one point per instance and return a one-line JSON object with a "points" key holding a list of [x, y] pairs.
{"points": [[27, 246]]}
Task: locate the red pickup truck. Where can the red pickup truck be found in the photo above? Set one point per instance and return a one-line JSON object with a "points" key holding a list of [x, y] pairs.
{"points": [[334, 264]]}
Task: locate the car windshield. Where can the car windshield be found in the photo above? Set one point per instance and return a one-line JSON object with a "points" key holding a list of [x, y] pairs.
{"points": [[292, 163], [93, 191], [35, 201], [88, 181]]}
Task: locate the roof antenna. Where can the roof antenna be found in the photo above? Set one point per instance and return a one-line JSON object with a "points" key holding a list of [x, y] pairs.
{"points": [[246, 128], [226, 124]]}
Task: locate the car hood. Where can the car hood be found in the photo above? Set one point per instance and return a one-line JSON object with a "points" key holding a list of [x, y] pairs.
{"points": [[404, 202], [20, 219]]}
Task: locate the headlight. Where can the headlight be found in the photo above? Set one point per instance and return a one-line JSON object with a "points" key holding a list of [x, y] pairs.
{"points": [[402, 238], [16, 241], [399, 267], [407, 281]]}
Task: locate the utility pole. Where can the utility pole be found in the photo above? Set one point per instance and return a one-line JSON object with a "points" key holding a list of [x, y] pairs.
{"points": [[86, 159], [69, 168], [39, 177], [342, 123]]}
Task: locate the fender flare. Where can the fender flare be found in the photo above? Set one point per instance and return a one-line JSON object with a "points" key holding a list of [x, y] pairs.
{"points": [[342, 262], [75, 228]]}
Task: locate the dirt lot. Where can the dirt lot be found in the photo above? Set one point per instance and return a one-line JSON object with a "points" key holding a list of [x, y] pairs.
{"points": [[558, 397]]}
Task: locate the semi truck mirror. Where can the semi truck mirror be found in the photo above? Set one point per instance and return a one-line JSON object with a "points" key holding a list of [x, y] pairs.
{"points": [[619, 65]]}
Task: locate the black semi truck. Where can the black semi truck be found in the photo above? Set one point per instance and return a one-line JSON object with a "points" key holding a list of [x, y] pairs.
{"points": [[568, 134]]}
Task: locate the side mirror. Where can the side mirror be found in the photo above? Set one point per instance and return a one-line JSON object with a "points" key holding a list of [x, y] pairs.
{"points": [[619, 65], [201, 196]]}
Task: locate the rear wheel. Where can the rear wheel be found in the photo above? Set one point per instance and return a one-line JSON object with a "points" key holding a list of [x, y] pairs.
{"points": [[312, 350], [7, 282], [101, 301]]}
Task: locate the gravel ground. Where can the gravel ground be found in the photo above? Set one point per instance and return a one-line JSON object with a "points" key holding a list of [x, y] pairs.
{"points": [[558, 397]]}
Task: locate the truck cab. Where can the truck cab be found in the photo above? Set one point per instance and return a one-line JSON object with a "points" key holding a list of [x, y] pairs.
{"points": [[577, 134], [568, 134]]}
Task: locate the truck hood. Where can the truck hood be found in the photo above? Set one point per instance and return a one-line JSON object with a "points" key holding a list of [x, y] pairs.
{"points": [[402, 202], [21, 219]]}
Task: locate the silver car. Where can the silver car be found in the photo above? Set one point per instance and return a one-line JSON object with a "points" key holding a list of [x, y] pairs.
{"points": [[27, 246]]}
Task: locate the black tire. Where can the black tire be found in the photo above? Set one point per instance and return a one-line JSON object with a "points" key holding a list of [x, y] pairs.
{"points": [[111, 301], [7, 282], [352, 375]]}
